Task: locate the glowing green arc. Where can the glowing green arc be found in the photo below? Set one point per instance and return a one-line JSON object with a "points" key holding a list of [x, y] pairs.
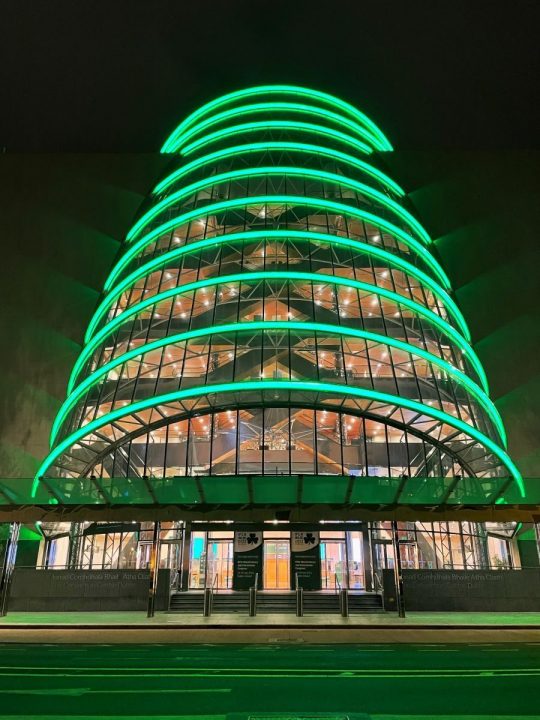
{"points": [[292, 200], [264, 125], [290, 386], [317, 95], [236, 150], [430, 316], [172, 255], [269, 325], [257, 108], [268, 171]]}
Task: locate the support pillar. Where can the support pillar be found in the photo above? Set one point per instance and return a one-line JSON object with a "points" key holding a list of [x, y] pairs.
{"points": [[8, 566], [537, 533], [398, 573], [154, 569], [74, 545], [367, 555], [186, 551]]}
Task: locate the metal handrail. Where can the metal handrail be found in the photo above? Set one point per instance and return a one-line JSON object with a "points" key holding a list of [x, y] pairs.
{"points": [[215, 588], [256, 582], [296, 583]]}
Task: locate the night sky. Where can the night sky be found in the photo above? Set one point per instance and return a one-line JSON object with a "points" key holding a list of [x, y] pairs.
{"points": [[117, 76], [91, 89]]}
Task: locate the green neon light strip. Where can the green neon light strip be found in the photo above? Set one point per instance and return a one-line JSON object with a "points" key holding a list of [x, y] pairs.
{"points": [[302, 92], [279, 385], [303, 235], [430, 316], [270, 171], [271, 325], [291, 200], [295, 125], [218, 155], [274, 107]]}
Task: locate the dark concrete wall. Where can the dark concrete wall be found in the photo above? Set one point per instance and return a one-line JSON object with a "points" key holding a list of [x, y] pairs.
{"points": [[466, 590], [62, 218], [85, 590]]}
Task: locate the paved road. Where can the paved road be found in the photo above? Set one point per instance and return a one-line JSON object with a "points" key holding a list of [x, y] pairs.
{"points": [[454, 681]]}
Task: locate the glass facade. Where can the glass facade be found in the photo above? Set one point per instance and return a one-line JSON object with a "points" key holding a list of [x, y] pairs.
{"points": [[352, 558], [276, 309]]}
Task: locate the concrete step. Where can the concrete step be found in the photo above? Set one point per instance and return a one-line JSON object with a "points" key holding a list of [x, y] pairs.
{"points": [[315, 602]]}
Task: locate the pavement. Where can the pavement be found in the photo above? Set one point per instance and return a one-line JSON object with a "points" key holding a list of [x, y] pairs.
{"points": [[135, 627], [377, 681]]}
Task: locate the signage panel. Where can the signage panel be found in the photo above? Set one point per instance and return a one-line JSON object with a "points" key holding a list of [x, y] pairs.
{"points": [[306, 559], [248, 556]]}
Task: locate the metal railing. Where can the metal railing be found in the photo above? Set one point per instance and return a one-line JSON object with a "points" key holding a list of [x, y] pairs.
{"points": [[253, 597], [208, 597], [299, 597]]}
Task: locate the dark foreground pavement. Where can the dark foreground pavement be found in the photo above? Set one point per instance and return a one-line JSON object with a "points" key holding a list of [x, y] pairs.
{"points": [[236, 682]]}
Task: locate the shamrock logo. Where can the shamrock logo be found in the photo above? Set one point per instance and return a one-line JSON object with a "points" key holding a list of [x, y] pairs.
{"points": [[252, 539], [309, 539]]}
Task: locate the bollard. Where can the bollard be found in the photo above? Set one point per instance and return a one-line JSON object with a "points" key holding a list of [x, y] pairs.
{"points": [[299, 602], [207, 602], [252, 601], [344, 602]]}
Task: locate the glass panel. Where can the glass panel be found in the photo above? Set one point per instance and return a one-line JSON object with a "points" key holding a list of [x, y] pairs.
{"points": [[277, 564], [333, 565]]}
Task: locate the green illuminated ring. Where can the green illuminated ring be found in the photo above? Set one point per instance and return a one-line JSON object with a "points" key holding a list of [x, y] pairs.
{"points": [[269, 325], [296, 125], [218, 155], [278, 385], [293, 200], [341, 122], [321, 97], [430, 316], [172, 255], [305, 173]]}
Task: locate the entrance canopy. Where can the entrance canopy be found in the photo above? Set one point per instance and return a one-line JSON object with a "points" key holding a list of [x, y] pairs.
{"points": [[250, 497]]}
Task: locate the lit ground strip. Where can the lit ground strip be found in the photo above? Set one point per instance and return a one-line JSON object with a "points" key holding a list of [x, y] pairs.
{"points": [[304, 173], [294, 201], [279, 125], [350, 126], [269, 326], [299, 235], [315, 278], [305, 148], [265, 90], [278, 386]]}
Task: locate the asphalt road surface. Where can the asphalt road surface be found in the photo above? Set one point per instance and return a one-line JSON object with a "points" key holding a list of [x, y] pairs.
{"points": [[238, 682]]}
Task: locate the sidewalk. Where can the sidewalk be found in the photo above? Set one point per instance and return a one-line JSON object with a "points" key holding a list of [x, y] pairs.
{"points": [[135, 627]]}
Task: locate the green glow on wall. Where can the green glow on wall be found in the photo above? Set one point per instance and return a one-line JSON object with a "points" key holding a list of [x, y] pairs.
{"points": [[324, 98], [274, 107], [268, 326], [315, 278], [277, 386], [306, 148], [291, 200], [305, 173], [264, 125], [303, 235]]}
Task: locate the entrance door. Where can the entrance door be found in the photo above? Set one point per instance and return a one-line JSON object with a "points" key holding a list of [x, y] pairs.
{"points": [[277, 554], [333, 564], [220, 564]]}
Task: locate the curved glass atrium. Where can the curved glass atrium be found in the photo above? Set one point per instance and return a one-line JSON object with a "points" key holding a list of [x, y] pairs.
{"points": [[277, 309]]}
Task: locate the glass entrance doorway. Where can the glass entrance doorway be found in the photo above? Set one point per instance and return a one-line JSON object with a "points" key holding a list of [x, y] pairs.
{"points": [[277, 554], [333, 564], [220, 564]]}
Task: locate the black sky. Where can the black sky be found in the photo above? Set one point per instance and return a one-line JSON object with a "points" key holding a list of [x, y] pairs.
{"points": [[117, 76]]}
